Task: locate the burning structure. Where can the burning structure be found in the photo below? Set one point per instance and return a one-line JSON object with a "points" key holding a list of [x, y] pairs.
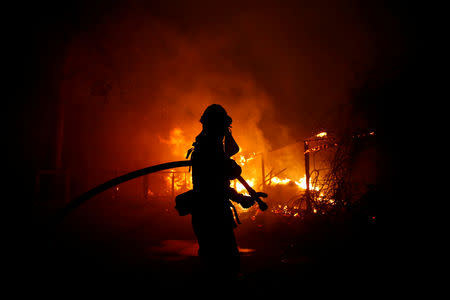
{"points": [[329, 185]]}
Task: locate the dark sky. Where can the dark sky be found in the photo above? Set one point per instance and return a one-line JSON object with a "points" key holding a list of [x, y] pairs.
{"points": [[130, 72]]}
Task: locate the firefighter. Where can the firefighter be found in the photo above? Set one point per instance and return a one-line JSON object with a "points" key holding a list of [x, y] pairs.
{"points": [[212, 215]]}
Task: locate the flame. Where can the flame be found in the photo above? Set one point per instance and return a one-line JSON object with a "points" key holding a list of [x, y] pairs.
{"points": [[183, 181], [242, 160], [241, 189], [277, 180], [301, 183], [322, 134], [179, 181]]}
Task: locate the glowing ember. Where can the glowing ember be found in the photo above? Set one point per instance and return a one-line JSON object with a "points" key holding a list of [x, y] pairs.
{"points": [[322, 134], [286, 211], [246, 250]]}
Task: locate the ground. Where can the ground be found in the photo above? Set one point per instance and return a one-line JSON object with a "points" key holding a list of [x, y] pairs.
{"points": [[140, 242]]}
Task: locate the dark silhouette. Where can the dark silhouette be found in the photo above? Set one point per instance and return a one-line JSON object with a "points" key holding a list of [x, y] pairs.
{"points": [[212, 213]]}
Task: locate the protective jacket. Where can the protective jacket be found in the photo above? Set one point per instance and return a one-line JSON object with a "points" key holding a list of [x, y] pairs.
{"points": [[212, 216]]}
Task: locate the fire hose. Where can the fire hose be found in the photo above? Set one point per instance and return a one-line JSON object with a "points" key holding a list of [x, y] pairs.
{"points": [[142, 172]]}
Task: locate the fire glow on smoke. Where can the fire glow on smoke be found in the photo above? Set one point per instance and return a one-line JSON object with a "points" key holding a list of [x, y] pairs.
{"points": [[250, 163]]}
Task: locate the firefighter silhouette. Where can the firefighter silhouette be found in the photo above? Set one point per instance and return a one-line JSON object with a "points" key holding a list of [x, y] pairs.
{"points": [[213, 220]]}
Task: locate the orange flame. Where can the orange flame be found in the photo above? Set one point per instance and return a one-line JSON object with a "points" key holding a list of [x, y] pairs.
{"points": [[322, 134], [179, 181]]}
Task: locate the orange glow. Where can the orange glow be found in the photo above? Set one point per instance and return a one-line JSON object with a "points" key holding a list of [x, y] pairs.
{"points": [[277, 180], [301, 183], [242, 160], [178, 181], [177, 141], [181, 180], [241, 189]]}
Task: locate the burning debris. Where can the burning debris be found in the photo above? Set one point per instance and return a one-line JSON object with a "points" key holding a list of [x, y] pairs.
{"points": [[325, 185]]}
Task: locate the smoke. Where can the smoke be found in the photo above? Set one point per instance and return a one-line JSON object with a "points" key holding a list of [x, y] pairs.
{"points": [[131, 84], [136, 80]]}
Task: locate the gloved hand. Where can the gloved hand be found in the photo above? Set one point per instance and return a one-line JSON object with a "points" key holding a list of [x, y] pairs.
{"points": [[246, 201]]}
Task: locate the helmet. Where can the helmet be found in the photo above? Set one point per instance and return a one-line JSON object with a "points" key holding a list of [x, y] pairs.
{"points": [[215, 115]]}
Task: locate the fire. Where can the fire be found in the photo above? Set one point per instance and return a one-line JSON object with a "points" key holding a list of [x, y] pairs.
{"points": [[277, 180], [242, 160], [253, 172], [322, 134], [182, 180], [241, 189], [265, 171], [178, 180], [301, 183]]}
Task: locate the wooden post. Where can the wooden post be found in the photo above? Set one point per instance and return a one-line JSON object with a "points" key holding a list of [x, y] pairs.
{"points": [[307, 176]]}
